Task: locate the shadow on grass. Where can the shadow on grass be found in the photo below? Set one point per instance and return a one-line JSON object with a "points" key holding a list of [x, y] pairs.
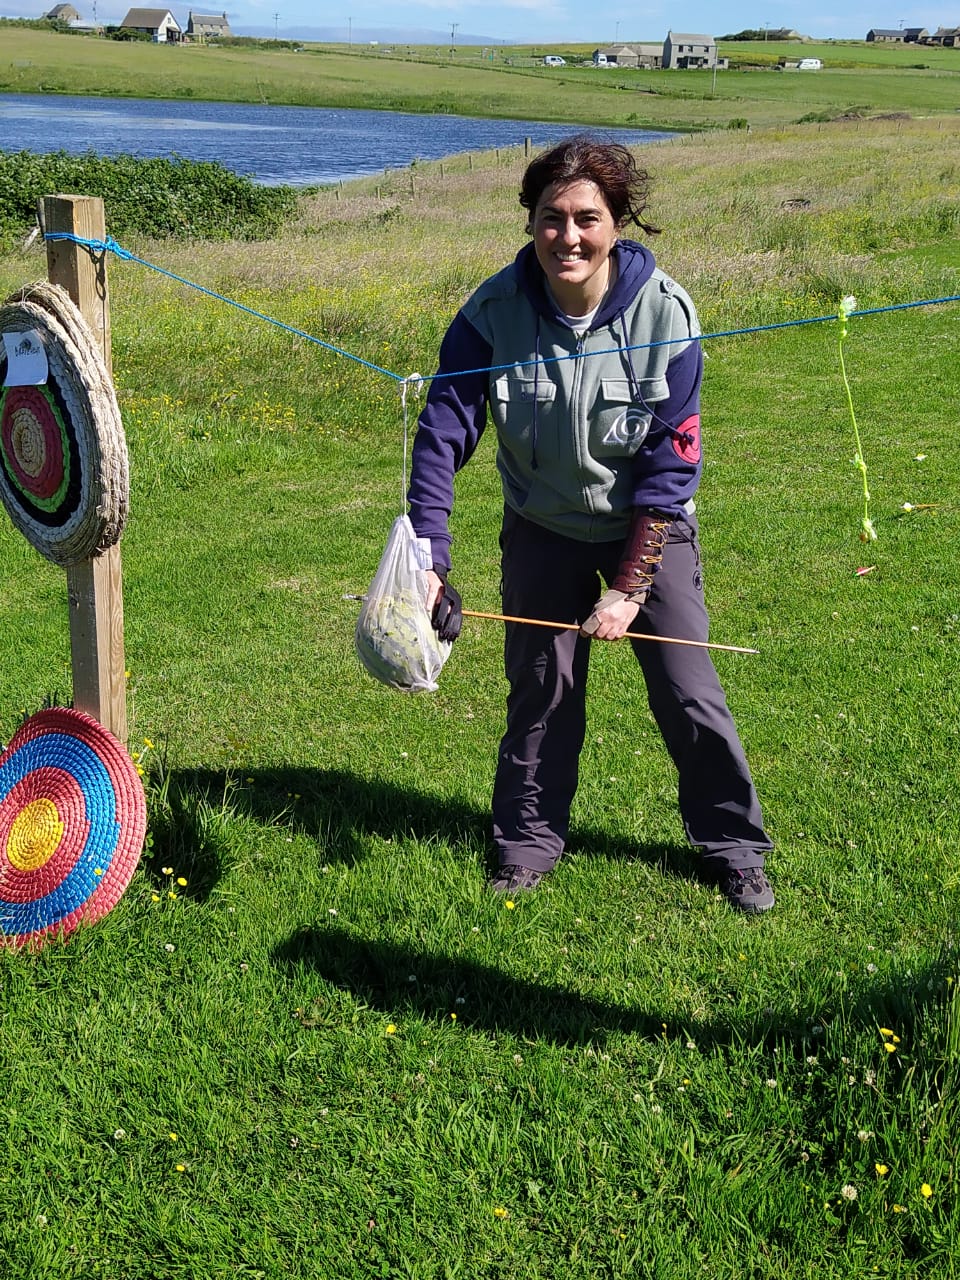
{"points": [[344, 809], [378, 974]]}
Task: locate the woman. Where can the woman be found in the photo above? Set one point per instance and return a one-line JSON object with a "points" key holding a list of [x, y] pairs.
{"points": [[586, 356]]}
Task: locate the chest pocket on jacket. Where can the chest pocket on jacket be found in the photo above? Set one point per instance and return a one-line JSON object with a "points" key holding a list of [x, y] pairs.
{"points": [[525, 390], [517, 398], [622, 419]]}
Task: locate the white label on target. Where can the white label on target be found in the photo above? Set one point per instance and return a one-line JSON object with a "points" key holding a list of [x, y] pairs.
{"points": [[26, 360]]}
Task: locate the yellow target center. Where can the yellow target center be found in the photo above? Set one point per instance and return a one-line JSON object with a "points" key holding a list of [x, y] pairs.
{"points": [[28, 444], [35, 835]]}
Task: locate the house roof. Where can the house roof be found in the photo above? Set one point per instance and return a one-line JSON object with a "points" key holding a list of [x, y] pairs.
{"points": [[887, 31], [686, 37], [217, 19], [150, 18], [65, 11]]}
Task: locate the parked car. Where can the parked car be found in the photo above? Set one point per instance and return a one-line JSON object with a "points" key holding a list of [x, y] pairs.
{"points": [[810, 64], [553, 60]]}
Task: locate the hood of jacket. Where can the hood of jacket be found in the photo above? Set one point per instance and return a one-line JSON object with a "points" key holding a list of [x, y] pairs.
{"points": [[635, 266]]}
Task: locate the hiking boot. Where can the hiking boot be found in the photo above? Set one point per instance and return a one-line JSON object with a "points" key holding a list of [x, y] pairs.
{"points": [[748, 890], [514, 879]]}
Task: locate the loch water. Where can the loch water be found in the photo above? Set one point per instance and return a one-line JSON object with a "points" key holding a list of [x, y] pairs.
{"points": [[272, 145]]}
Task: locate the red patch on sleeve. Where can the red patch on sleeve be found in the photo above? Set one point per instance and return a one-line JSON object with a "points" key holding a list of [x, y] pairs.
{"points": [[686, 443]]}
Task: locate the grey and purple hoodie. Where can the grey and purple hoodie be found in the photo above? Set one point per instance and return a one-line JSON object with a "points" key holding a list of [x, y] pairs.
{"points": [[588, 429]]}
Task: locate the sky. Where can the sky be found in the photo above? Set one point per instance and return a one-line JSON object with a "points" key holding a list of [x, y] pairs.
{"points": [[544, 22]]}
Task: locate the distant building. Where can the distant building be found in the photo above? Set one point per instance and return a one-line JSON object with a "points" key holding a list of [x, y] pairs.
{"points": [[615, 55], [949, 37], [63, 13], [159, 24], [906, 35], [206, 26], [685, 52], [649, 56]]}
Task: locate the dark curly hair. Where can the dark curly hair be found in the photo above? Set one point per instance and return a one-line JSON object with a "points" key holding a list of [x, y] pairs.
{"points": [[611, 167]]}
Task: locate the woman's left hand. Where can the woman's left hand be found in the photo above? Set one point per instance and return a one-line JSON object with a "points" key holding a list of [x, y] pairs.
{"points": [[612, 616]]}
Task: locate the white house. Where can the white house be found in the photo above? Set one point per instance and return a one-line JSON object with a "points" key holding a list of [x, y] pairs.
{"points": [[685, 52], [160, 24]]}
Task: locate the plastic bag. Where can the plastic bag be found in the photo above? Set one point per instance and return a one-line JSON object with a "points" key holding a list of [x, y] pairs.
{"points": [[394, 639]]}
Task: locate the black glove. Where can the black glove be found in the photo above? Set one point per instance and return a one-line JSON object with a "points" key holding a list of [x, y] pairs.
{"points": [[447, 618]]}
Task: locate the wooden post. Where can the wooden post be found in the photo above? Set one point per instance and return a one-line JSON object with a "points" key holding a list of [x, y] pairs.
{"points": [[94, 587]]}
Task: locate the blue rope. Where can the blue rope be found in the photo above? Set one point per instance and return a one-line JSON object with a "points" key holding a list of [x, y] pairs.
{"points": [[110, 245]]}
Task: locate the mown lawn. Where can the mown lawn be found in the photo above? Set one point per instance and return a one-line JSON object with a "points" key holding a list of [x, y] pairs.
{"points": [[331, 1052]]}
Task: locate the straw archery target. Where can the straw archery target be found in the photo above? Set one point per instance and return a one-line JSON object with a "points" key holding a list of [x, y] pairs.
{"points": [[63, 458], [72, 825]]}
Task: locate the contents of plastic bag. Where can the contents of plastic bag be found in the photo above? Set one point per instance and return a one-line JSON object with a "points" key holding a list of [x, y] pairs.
{"points": [[394, 638]]}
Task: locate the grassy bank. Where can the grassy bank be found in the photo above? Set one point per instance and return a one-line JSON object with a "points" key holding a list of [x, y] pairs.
{"points": [[330, 1052], [511, 86]]}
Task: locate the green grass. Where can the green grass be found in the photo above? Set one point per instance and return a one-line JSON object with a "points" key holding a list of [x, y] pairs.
{"points": [[424, 79], [635, 1082]]}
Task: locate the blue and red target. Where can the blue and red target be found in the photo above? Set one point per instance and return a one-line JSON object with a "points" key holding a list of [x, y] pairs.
{"points": [[72, 825]]}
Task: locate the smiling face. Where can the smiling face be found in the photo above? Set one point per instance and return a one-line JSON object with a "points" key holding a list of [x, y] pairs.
{"points": [[573, 233]]}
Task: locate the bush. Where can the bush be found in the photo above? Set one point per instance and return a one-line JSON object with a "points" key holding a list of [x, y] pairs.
{"points": [[155, 197]]}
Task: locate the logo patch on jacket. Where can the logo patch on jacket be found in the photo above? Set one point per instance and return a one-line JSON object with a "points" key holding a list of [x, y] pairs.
{"points": [[629, 428], [686, 443]]}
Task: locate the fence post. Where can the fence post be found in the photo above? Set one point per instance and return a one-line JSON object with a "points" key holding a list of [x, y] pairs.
{"points": [[94, 587]]}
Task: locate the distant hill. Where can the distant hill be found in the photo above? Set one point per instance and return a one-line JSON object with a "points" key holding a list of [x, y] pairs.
{"points": [[364, 35]]}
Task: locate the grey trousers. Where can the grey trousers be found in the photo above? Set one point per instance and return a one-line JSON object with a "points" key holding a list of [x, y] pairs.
{"points": [[552, 577]]}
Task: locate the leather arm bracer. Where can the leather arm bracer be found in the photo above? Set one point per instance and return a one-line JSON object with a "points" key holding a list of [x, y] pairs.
{"points": [[642, 553]]}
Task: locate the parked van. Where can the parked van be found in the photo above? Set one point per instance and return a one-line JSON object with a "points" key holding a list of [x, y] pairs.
{"points": [[600, 60], [810, 64], [552, 60]]}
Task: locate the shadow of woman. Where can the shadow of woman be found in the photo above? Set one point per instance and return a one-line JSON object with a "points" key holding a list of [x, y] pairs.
{"points": [[397, 979], [344, 809]]}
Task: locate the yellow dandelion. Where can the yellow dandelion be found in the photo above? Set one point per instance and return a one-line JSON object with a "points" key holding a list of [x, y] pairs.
{"points": [[885, 1031], [167, 871], [154, 897], [898, 1208], [172, 1137], [882, 1170], [890, 1048], [500, 1212], [509, 904], [181, 1168], [181, 880], [926, 1191], [171, 894], [453, 1017], [391, 1029], [148, 744]]}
